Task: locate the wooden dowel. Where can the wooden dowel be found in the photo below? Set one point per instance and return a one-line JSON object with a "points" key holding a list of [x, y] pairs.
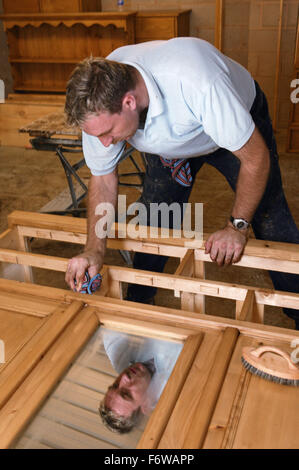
{"points": [[161, 414], [200, 421], [28, 397]]}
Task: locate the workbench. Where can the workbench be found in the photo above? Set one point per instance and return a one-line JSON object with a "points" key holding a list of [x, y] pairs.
{"points": [[52, 133]]}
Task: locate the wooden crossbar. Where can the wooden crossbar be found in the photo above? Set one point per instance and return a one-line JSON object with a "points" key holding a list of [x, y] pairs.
{"points": [[276, 256]]}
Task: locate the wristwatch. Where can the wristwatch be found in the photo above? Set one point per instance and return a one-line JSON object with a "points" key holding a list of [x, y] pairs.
{"points": [[239, 224]]}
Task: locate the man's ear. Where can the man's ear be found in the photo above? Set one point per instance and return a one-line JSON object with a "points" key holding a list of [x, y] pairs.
{"points": [[129, 102]]}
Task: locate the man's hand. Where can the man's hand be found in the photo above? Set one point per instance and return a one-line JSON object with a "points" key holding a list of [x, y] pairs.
{"points": [[87, 261], [226, 246]]}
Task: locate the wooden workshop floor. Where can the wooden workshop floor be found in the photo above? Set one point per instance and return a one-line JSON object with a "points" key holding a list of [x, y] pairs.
{"points": [[30, 179]]}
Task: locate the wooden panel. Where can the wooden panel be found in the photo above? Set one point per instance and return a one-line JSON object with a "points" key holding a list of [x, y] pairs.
{"points": [[160, 416], [154, 28], [21, 6], [252, 412], [15, 414], [178, 425], [16, 329], [22, 363], [58, 6]]}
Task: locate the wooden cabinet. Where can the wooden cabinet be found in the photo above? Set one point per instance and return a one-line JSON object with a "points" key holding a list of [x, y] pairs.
{"points": [[151, 25], [50, 6], [293, 128], [45, 47]]}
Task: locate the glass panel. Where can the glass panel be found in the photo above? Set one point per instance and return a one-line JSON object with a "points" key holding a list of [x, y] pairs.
{"points": [[139, 368]]}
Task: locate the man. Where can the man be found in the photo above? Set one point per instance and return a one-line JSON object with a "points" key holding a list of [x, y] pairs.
{"points": [[144, 369], [180, 99]]}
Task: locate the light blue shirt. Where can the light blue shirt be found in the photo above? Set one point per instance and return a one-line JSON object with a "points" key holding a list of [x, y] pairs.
{"points": [[123, 350], [199, 100]]}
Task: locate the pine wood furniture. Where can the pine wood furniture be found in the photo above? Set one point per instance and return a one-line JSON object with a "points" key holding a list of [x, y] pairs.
{"points": [[210, 401], [45, 47]]}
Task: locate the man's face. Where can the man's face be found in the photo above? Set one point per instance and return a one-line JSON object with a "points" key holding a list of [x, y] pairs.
{"points": [[112, 128], [129, 391]]}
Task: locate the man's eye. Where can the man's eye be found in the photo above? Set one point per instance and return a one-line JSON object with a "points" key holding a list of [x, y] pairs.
{"points": [[126, 395]]}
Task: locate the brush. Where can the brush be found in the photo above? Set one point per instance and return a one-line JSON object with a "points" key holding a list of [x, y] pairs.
{"points": [[272, 364]]}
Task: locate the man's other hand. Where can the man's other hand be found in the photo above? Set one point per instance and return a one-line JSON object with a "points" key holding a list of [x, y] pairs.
{"points": [[226, 246], [87, 261]]}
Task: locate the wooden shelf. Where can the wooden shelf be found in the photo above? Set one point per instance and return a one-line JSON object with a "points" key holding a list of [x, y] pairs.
{"points": [[33, 60], [117, 19], [74, 36]]}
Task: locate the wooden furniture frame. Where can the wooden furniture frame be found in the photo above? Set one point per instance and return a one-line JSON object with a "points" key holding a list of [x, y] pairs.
{"points": [[203, 403]]}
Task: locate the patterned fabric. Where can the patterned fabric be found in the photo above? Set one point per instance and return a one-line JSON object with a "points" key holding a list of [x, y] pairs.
{"points": [[89, 286], [180, 170]]}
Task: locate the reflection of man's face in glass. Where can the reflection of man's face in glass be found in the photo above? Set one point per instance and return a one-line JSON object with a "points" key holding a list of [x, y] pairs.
{"points": [[129, 391]]}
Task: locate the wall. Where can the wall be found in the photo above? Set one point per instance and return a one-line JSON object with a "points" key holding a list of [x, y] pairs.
{"points": [[5, 72], [250, 32]]}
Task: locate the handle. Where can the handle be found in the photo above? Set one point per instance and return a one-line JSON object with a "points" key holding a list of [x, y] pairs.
{"points": [[262, 349]]}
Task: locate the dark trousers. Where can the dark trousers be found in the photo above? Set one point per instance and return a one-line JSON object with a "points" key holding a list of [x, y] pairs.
{"points": [[272, 220]]}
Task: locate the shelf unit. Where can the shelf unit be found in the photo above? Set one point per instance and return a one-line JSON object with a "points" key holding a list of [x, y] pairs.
{"points": [[44, 47]]}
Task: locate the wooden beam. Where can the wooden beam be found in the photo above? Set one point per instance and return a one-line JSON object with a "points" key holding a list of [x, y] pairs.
{"points": [[20, 408], [21, 365], [201, 418], [154, 313], [161, 414]]}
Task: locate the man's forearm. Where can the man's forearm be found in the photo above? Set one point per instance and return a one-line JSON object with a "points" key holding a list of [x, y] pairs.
{"points": [[102, 189], [252, 179]]}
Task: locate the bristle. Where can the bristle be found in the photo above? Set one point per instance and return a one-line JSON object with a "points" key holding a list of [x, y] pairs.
{"points": [[271, 378]]}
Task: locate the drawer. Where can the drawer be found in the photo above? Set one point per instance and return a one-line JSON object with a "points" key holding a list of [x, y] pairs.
{"points": [[155, 28]]}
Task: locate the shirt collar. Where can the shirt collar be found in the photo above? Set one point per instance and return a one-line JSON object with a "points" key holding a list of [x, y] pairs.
{"points": [[156, 103]]}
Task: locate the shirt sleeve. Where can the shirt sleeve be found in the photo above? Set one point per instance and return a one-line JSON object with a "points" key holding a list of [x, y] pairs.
{"points": [[225, 117], [101, 160]]}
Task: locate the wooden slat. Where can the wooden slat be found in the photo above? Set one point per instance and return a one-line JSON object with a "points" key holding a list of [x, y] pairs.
{"points": [[153, 315], [87, 422], [19, 409], [53, 435], [161, 414], [194, 387], [287, 253], [20, 366], [201, 418], [27, 305], [63, 200]]}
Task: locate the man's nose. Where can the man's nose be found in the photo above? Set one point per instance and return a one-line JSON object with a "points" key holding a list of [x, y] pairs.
{"points": [[106, 140], [124, 380]]}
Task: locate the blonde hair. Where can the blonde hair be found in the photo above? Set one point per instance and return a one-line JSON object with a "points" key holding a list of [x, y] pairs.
{"points": [[115, 422], [97, 85]]}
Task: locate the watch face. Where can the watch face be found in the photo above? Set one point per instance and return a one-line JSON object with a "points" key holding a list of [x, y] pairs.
{"points": [[240, 224]]}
